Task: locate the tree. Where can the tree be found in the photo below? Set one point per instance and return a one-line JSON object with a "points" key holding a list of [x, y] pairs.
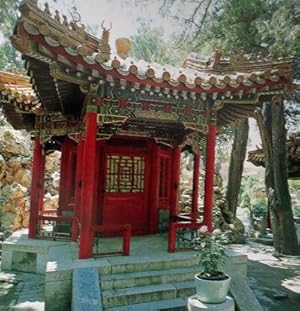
{"points": [[270, 27], [273, 134], [149, 45], [9, 57], [237, 158]]}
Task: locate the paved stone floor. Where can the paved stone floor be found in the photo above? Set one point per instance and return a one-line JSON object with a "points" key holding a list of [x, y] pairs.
{"points": [[272, 278], [268, 277], [21, 291]]}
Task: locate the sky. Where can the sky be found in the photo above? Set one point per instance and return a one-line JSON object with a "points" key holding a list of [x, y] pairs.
{"points": [[125, 15]]}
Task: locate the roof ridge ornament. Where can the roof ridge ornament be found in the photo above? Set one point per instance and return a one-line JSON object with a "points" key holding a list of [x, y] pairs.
{"points": [[104, 46]]}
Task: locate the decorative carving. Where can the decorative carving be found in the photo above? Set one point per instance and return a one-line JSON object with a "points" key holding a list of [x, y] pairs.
{"points": [[57, 17], [65, 21], [104, 45], [156, 115], [56, 124], [47, 9]]}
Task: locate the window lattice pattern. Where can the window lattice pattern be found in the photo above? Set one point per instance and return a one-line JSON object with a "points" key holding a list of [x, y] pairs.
{"points": [[124, 173]]}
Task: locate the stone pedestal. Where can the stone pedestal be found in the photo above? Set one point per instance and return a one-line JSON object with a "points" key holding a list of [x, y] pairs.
{"points": [[195, 305]]}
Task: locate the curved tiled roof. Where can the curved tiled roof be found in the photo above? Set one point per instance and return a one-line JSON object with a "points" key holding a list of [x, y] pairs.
{"points": [[64, 62], [18, 98], [257, 156], [197, 74]]}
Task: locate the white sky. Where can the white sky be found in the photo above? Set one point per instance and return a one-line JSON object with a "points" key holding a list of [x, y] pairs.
{"points": [[125, 15]]}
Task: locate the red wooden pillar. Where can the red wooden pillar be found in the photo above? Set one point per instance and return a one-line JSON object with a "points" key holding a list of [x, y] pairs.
{"points": [[175, 182], [154, 193], [194, 212], [36, 184], [78, 182], [209, 175], [88, 185]]}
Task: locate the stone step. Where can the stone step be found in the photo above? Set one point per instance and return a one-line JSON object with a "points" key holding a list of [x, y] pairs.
{"points": [[150, 293], [134, 279], [129, 265], [176, 304]]}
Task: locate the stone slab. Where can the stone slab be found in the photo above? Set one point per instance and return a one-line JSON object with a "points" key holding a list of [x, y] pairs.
{"points": [[128, 296], [178, 304], [243, 295], [85, 290], [195, 305], [124, 280]]}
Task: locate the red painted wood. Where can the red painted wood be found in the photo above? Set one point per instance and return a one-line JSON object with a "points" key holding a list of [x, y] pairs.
{"points": [[165, 180], [128, 207], [78, 181], [67, 176], [172, 238], [196, 172], [126, 240], [209, 175], [78, 178], [175, 182], [35, 188], [115, 230], [154, 191], [180, 225], [42, 181], [88, 187], [100, 182]]}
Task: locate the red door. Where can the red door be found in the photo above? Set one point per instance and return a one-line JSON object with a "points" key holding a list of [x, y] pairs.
{"points": [[125, 187], [165, 178]]}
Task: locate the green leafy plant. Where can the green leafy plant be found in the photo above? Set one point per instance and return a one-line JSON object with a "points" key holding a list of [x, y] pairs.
{"points": [[211, 250]]}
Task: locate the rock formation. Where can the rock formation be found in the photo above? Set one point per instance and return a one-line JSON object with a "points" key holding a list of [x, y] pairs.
{"points": [[15, 178], [222, 217]]}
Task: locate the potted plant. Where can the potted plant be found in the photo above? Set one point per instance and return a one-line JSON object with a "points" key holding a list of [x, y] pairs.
{"points": [[212, 284]]}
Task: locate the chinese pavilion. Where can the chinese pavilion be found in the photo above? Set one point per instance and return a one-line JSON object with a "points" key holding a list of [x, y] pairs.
{"points": [[121, 125], [257, 157]]}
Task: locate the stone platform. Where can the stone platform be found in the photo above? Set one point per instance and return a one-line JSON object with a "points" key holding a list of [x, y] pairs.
{"points": [[195, 305], [149, 279]]}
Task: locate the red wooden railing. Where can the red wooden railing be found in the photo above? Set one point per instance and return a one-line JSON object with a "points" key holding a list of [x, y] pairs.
{"points": [[182, 222], [113, 229]]}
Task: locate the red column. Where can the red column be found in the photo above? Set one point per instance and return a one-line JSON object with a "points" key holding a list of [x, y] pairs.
{"points": [[154, 192], [194, 212], [35, 187], [88, 183], [209, 175], [175, 182], [42, 181], [78, 182]]}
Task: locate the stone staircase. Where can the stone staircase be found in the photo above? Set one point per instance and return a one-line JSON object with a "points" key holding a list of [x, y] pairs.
{"points": [[148, 285]]}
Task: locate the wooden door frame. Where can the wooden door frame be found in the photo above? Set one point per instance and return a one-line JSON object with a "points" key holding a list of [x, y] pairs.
{"points": [[115, 149]]}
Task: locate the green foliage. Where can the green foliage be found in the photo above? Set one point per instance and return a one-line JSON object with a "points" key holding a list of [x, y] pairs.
{"points": [[9, 57], [268, 26], [8, 16], [211, 249], [259, 208], [149, 45], [251, 185]]}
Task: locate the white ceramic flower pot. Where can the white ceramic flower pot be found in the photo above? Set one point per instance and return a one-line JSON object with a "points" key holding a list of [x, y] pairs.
{"points": [[212, 291]]}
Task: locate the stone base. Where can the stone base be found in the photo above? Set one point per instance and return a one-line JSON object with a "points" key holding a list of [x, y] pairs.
{"points": [[195, 305], [19, 253]]}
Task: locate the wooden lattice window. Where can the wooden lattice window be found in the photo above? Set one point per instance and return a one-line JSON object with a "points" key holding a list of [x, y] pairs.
{"points": [[124, 173], [164, 177]]}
